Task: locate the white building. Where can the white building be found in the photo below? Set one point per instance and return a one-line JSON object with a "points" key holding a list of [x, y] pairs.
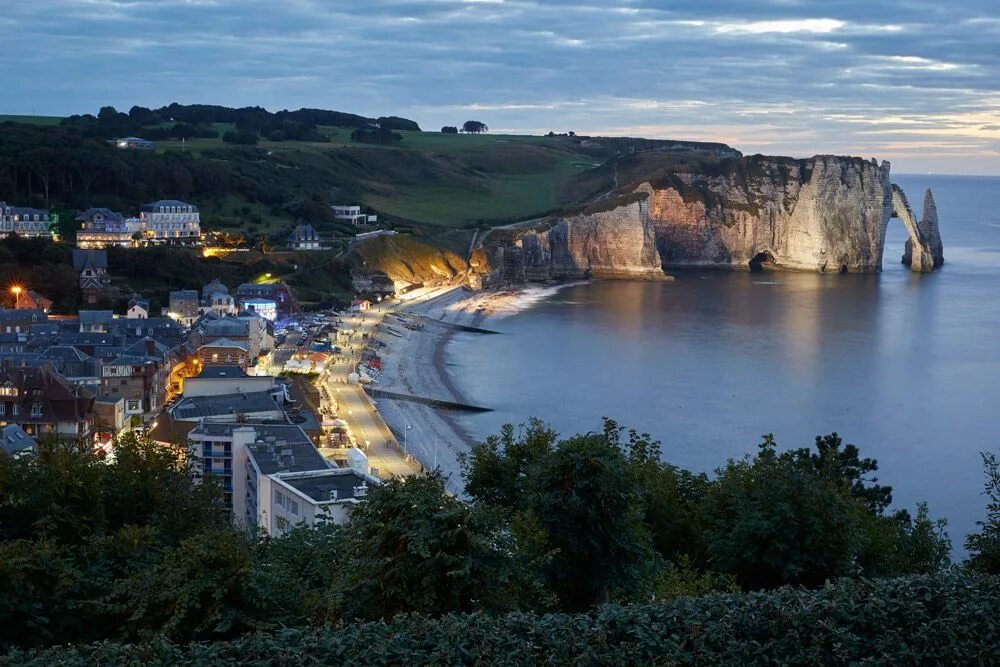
{"points": [[353, 215], [138, 309], [266, 308], [26, 222], [274, 478], [170, 220]]}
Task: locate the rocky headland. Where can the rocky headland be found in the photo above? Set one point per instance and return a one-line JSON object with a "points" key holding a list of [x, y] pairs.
{"points": [[825, 214]]}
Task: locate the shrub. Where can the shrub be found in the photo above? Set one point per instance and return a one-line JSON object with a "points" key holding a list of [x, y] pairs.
{"points": [[949, 618]]}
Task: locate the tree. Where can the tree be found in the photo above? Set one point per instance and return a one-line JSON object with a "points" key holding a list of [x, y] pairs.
{"points": [[411, 547], [573, 504], [241, 137], [774, 520], [984, 546], [474, 127], [449, 129]]}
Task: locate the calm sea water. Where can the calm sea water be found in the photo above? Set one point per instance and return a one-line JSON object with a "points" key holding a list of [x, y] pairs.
{"points": [[905, 366]]}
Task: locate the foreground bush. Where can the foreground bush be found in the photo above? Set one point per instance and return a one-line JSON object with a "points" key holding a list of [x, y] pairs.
{"points": [[950, 618]]}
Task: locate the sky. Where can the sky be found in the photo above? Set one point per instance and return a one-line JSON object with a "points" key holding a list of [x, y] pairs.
{"points": [[916, 82]]}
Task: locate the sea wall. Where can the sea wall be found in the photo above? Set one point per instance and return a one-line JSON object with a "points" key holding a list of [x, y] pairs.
{"points": [[825, 213]]}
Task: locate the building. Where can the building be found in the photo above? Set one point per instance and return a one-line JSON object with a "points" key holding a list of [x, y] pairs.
{"points": [[92, 268], [249, 329], [278, 292], [309, 499], [273, 478], [138, 309], [225, 352], [102, 227], [222, 379], [170, 220], [303, 237], [96, 321], [353, 215], [264, 307], [110, 418], [140, 378], [32, 300], [184, 306], [239, 407], [215, 298], [133, 144], [361, 305], [23, 221], [19, 320], [15, 442], [43, 402]]}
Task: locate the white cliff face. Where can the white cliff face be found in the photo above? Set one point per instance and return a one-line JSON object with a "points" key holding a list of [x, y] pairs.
{"points": [[826, 214], [822, 214], [610, 244]]}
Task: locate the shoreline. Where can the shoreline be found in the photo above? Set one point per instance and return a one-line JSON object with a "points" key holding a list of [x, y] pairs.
{"points": [[415, 362]]}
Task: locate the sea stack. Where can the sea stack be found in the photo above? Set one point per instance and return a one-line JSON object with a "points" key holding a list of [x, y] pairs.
{"points": [[928, 229]]}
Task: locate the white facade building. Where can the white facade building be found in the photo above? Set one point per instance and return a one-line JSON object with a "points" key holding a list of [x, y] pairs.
{"points": [[170, 220], [27, 222], [353, 215], [274, 478]]}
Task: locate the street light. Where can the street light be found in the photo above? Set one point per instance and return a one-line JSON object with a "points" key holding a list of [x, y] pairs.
{"points": [[406, 430], [16, 291]]}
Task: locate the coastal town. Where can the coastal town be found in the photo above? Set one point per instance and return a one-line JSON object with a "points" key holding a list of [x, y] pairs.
{"points": [[276, 402]]}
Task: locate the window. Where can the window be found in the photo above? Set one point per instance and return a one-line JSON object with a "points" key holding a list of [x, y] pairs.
{"points": [[36, 409], [3, 408], [14, 409]]}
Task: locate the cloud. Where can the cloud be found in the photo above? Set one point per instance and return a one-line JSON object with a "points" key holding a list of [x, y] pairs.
{"points": [[781, 76]]}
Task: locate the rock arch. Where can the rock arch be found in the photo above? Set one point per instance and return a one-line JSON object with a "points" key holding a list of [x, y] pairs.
{"points": [[924, 251]]}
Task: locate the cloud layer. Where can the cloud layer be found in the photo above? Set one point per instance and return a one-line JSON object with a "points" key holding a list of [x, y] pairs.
{"points": [[913, 81]]}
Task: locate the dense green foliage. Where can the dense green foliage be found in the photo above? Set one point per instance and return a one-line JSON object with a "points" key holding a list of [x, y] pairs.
{"points": [[984, 546], [134, 550], [945, 619]]}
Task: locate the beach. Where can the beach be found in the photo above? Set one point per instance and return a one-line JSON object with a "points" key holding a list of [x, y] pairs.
{"points": [[414, 357]]}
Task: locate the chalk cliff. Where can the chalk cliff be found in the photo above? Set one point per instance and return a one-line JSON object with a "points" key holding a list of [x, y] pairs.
{"points": [[825, 213]]}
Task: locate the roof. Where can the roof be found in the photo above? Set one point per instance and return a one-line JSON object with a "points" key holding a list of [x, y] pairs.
{"points": [[109, 398], [96, 316], [167, 429], [225, 342], [89, 259], [63, 352], [317, 485], [160, 203], [196, 407], [144, 303], [13, 439], [215, 286], [21, 315], [108, 214], [278, 447], [224, 371], [229, 326], [184, 295]]}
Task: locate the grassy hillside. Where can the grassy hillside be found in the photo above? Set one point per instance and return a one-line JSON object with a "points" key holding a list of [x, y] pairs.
{"points": [[405, 259]]}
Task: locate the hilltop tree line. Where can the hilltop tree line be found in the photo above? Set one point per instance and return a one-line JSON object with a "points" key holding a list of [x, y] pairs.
{"points": [[177, 121], [134, 548], [469, 127]]}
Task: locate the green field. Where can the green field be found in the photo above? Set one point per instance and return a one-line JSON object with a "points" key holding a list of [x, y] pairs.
{"points": [[31, 120]]}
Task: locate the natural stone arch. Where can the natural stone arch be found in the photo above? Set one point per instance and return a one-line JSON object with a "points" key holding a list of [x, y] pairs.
{"points": [[924, 251]]}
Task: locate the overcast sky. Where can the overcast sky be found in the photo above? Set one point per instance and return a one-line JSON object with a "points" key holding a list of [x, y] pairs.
{"points": [[913, 81]]}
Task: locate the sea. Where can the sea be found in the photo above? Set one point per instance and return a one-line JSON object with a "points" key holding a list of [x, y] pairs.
{"points": [[905, 366]]}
